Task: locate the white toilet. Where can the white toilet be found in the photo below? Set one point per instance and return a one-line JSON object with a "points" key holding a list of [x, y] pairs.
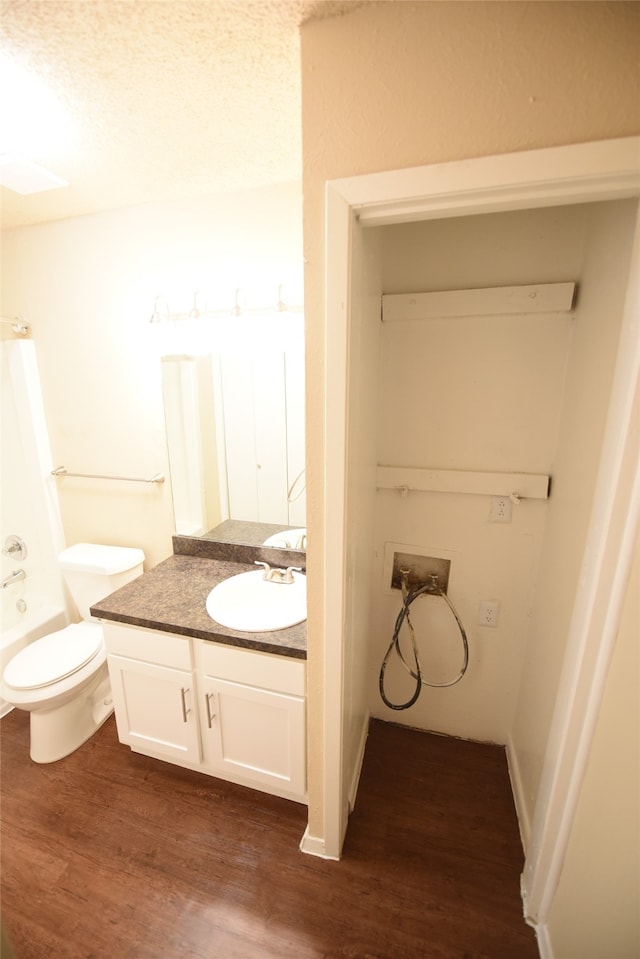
{"points": [[62, 679]]}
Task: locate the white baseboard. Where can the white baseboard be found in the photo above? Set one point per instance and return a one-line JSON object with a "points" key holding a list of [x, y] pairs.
{"points": [[357, 769], [524, 823], [544, 942], [314, 846]]}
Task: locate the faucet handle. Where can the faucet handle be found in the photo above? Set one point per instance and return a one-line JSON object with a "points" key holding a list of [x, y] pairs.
{"points": [[276, 575], [15, 547], [267, 569]]}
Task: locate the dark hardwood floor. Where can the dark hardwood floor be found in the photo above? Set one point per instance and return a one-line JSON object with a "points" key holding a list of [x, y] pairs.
{"points": [[110, 855]]}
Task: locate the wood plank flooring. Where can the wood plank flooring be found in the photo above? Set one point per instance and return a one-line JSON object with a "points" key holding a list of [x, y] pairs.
{"points": [[111, 855]]}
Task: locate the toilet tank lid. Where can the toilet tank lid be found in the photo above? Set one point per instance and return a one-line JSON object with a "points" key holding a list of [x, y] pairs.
{"points": [[93, 558]]}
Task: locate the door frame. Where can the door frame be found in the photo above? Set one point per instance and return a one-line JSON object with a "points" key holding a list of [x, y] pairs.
{"points": [[603, 170]]}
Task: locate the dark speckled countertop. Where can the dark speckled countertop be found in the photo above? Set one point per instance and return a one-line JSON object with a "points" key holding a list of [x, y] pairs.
{"points": [[172, 596]]}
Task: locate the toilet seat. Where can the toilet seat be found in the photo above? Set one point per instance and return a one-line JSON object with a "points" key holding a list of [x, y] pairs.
{"points": [[54, 657]]}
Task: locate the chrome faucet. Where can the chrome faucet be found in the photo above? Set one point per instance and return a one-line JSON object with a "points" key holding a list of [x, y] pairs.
{"points": [[12, 578], [300, 543], [278, 575]]}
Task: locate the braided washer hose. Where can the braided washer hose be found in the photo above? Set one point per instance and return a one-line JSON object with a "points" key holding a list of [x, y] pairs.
{"points": [[416, 673]]}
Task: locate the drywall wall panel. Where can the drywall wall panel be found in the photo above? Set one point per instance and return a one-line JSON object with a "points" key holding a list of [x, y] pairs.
{"points": [[473, 393], [488, 562], [469, 393], [595, 911], [602, 285], [475, 252], [88, 286], [362, 433], [397, 85]]}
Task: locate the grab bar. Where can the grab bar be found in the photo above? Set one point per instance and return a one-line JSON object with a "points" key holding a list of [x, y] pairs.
{"points": [[12, 578], [63, 471], [17, 324]]}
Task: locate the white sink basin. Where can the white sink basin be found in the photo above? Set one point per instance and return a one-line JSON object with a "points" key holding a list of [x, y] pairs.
{"points": [[252, 604], [287, 539]]}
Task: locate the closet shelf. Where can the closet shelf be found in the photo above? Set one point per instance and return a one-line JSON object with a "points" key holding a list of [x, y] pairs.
{"points": [[492, 301], [411, 479]]}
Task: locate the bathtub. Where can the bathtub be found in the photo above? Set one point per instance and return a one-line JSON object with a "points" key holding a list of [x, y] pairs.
{"points": [[42, 620], [29, 508]]}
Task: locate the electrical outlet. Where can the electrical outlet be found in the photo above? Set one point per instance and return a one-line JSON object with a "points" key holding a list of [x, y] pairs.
{"points": [[500, 509], [488, 612]]}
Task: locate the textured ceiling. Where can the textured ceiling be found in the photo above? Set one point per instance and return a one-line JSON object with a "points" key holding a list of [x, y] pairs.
{"points": [[153, 100]]}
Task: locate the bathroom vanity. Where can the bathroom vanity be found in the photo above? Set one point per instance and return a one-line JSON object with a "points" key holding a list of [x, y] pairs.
{"points": [[189, 691]]}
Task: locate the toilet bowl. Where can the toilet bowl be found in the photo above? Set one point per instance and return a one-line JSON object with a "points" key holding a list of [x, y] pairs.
{"points": [[62, 679]]}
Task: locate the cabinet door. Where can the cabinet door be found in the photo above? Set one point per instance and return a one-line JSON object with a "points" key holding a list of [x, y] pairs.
{"points": [[254, 736], [155, 709]]}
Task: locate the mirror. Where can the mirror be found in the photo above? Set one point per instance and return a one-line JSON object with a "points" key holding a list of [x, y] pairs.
{"points": [[234, 418]]}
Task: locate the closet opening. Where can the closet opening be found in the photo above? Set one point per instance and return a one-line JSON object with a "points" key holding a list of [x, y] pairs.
{"points": [[547, 394]]}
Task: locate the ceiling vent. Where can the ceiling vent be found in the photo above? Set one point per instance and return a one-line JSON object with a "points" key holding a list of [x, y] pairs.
{"points": [[25, 176]]}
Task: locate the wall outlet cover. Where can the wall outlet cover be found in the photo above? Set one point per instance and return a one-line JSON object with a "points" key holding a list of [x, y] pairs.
{"points": [[488, 612], [500, 509]]}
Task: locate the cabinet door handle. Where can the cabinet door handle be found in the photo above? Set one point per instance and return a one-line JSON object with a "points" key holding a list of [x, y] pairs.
{"points": [[183, 694], [210, 716]]}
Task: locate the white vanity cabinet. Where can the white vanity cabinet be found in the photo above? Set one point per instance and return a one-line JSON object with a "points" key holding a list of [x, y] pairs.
{"points": [[253, 718], [226, 711], [154, 692]]}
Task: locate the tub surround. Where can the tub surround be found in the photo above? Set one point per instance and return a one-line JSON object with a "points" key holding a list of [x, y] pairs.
{"points": [[171, 597]]}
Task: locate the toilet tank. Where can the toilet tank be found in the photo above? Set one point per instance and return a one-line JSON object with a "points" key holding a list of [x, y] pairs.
{"points": [[92, 571]]}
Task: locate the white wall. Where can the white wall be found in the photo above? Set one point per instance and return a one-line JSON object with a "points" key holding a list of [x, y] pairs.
{"points": [[603, 280], [595, 912], [395, 85], [513, 394], [87, 286], [362, 434], [470, 393]]}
